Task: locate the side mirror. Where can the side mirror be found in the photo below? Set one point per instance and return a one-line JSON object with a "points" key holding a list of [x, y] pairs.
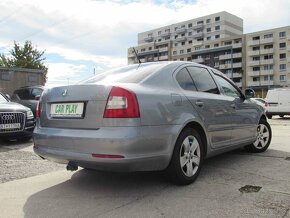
{"points": [[37, 97], [250, 93], [8, 97]]}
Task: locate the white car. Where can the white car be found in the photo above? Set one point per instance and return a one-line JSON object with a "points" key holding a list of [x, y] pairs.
{"points": [[279, 102], [260, 101]]}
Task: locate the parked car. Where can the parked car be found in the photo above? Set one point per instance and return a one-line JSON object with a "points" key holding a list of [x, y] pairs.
{"points": [[28, 96], [154, 116], [16, 120], [279, 102], [260, 101]]}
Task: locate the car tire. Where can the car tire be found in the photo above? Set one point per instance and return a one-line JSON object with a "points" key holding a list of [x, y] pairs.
{"points": [[281, 116], [263, 138], [187, 158]]}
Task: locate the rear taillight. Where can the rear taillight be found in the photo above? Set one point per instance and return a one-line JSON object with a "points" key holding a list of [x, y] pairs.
{"points": [[266, 104], [37, 113], [121, 103]]}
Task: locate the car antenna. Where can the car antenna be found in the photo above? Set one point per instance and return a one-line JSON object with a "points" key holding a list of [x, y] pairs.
{"points": [[137, 58]]}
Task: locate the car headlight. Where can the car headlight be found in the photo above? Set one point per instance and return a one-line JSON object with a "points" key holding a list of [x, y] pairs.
{"points": [[29, 115]]}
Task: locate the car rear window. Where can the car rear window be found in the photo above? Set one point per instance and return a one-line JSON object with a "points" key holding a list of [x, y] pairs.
{"points": [[129, 74]]}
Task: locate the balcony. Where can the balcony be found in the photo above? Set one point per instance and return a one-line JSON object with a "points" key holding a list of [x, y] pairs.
{"points": [[225, 66], [148, 39], [227, 56], [198, 35], [254, 53], [266, 72], [239, 84], [267, 83], [237, 55], [198, 26], [254, 63], [254, 42], [166, 34], [288, 48], [267, 51], [265, 41], [180, 30], [254, 73], [237, 75], [237, 65], [163, 49], [260, 83], [237, 45], [163, 58], [197, 43], [198, 60], [265, 62], [180, 39], [253, 83]]}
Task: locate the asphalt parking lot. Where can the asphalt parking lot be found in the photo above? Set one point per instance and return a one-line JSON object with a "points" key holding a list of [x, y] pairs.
{"points": [[31, 187]]}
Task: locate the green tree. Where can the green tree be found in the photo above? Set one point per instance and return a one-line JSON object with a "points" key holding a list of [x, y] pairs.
{"points": [[26, 56]]}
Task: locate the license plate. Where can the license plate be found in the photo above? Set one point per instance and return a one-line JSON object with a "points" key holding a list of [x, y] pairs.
{"points": [[67, 110], [10, 126]]}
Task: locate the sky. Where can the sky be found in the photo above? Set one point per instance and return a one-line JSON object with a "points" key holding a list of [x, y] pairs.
{"points": [[81, 37]]}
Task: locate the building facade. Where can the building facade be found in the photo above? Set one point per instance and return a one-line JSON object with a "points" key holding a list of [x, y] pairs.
{"points": [[14, 78], [217, 40]]}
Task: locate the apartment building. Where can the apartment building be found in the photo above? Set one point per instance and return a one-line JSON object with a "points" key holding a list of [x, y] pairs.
{"points": [[258, 60], [14, 78]]}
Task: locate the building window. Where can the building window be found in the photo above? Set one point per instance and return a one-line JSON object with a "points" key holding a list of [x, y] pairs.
{"points": [[159, 40], [255, 78], [268, 67], [197, 48], [207, 20], [208, 29], [268, 36], [256, 38], [159, 33], [217, 19], [208, 38], [217, 36], [269, 77], [190, 42], [188, 58], [207, 46], [150, 48], [268, 46], [143, 49], [174, 52], [199, 22], [267, 57], [217, 28], [183, 43], [256, 68], [167, 38], [182, 59], [188, 50], [228, 43], [182, 34], [5, 76], [256, 58], [175, 28], [181, 51], [175, 44], [282, 56], [189, 25], [189, 33], [150, 35], [216, 45], [256, 48], [282, 45], [282, 77], [175, 36], [282, 67], [282, 34]]}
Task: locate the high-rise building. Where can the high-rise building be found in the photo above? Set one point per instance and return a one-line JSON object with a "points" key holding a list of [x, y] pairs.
{"points": [[258, 60]]}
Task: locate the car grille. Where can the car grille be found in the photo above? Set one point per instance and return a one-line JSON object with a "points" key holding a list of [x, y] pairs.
{"points": [[11, 122]]}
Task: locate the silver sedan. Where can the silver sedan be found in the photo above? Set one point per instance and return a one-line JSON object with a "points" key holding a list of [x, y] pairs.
{"points": [[155, 116]]}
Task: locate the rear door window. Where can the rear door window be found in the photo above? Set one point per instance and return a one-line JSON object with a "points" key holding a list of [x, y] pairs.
{"points": [[185, 81], [203, 80]]}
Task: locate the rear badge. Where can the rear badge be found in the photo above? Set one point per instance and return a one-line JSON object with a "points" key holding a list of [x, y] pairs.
{"points": [[64, 92]]}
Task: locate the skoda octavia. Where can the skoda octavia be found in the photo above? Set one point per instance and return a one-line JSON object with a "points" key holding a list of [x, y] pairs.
{"points": [[153, 116]]}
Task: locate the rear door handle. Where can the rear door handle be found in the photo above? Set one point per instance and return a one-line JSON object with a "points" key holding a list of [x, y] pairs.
{"points": [[199, 103]]}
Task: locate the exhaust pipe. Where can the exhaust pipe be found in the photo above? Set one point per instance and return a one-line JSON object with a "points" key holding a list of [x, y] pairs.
{"points": [[71, 166]]}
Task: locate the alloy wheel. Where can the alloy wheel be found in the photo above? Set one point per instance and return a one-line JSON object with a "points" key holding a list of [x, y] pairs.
{"points": [[189, 156], [262, 136]]}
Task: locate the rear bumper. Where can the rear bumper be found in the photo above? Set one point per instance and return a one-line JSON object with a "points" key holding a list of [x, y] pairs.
{"points": [[142, 148]]}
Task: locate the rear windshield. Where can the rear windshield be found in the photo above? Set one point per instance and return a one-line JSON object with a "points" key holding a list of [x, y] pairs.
{"points": [[129, 74]]}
